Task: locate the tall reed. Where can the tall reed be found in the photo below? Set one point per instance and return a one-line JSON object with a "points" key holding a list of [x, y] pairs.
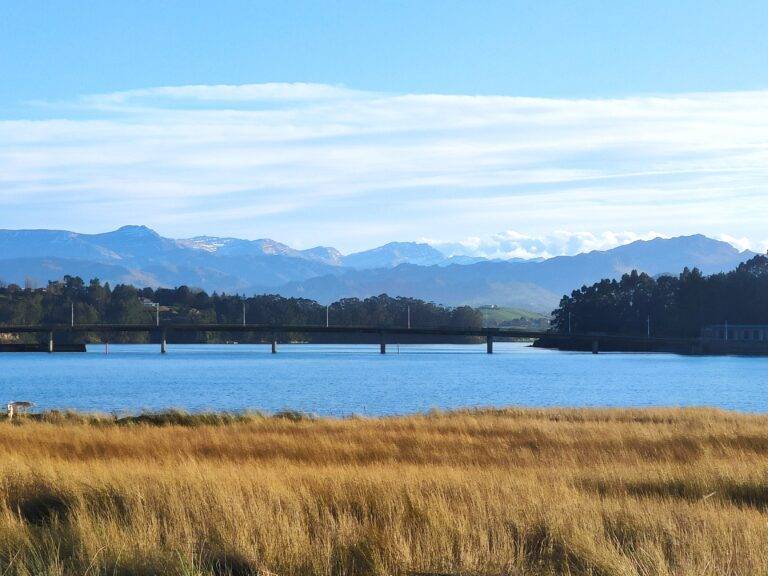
{"points": [[486, 492]]}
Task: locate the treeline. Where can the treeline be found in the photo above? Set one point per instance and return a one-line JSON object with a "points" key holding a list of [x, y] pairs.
{"points": [[668, 305], [96, 303]]}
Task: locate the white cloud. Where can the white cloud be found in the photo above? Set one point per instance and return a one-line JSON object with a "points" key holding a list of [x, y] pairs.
{"points": [[291, 160], [512, 244], [744, 243]]}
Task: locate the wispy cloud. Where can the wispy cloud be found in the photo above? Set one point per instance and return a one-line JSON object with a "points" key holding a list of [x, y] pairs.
{"points": [[266, 92], [298, 160]]}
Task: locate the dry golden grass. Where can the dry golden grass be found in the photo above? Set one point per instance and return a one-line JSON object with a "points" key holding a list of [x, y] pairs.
{"points": [[513, 492]]}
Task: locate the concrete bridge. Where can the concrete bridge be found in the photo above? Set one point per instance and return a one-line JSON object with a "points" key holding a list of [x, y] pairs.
{"points": [[590, 342]]}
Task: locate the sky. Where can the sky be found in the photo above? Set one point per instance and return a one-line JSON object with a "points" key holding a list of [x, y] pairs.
{"points": [[489, 128]]}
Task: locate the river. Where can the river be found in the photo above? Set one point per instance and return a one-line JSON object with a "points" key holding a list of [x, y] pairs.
{"points": [[356, 379]]}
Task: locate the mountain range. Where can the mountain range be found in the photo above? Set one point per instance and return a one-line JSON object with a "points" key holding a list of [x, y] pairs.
{"points": [[140, 256]]}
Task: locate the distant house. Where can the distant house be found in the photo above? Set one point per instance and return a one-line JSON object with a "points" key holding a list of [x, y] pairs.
{"points": [[736, 332]]}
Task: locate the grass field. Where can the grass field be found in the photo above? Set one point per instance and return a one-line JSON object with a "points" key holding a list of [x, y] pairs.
{"points": [[512, 492], [495, 316]]}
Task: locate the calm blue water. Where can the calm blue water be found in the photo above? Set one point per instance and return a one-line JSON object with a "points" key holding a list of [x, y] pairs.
{"points": [[340, 380]]}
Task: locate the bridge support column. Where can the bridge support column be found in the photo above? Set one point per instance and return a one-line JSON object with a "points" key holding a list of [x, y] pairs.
{"points": [[595, 346], [489, 344], [50, 342], [697, 348], [163, 343], [274, 345]]}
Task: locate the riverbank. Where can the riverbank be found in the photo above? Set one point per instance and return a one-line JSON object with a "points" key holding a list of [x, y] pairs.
{"points": [[692, 347], [533, 492]]}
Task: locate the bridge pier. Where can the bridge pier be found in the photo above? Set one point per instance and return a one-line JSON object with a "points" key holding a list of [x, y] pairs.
{"points": [[159, 333], [595, 346], [697, 348]]}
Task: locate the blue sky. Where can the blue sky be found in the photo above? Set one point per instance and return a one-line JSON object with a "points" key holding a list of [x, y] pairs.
{"points": [[482, 125]]}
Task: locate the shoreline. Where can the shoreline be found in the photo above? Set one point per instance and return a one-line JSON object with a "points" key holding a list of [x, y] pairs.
{"points": [[703, 347], [192, 418]]}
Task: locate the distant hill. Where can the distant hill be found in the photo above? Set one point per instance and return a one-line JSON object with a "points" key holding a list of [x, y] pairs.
{"points": [[502, 317], [473, 284], [32, 271], [394, 254], [140, 256], [535, 286], [261, 247], [498, 315]]}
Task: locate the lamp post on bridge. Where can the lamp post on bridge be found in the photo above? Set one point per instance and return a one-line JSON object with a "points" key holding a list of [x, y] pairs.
{"points": [[163, 336], [649, 326]]}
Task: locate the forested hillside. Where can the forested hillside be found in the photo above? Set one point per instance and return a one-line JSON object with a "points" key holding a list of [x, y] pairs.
{"points": [[670, 305], [96, 303]]}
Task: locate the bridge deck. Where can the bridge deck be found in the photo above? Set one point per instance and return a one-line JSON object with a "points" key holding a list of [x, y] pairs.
{"points": [[574, 341], [495, 333], [272, 328]]}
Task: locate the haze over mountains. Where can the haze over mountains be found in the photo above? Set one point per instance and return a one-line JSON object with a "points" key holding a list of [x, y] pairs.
{"points": [[138, 255]]}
